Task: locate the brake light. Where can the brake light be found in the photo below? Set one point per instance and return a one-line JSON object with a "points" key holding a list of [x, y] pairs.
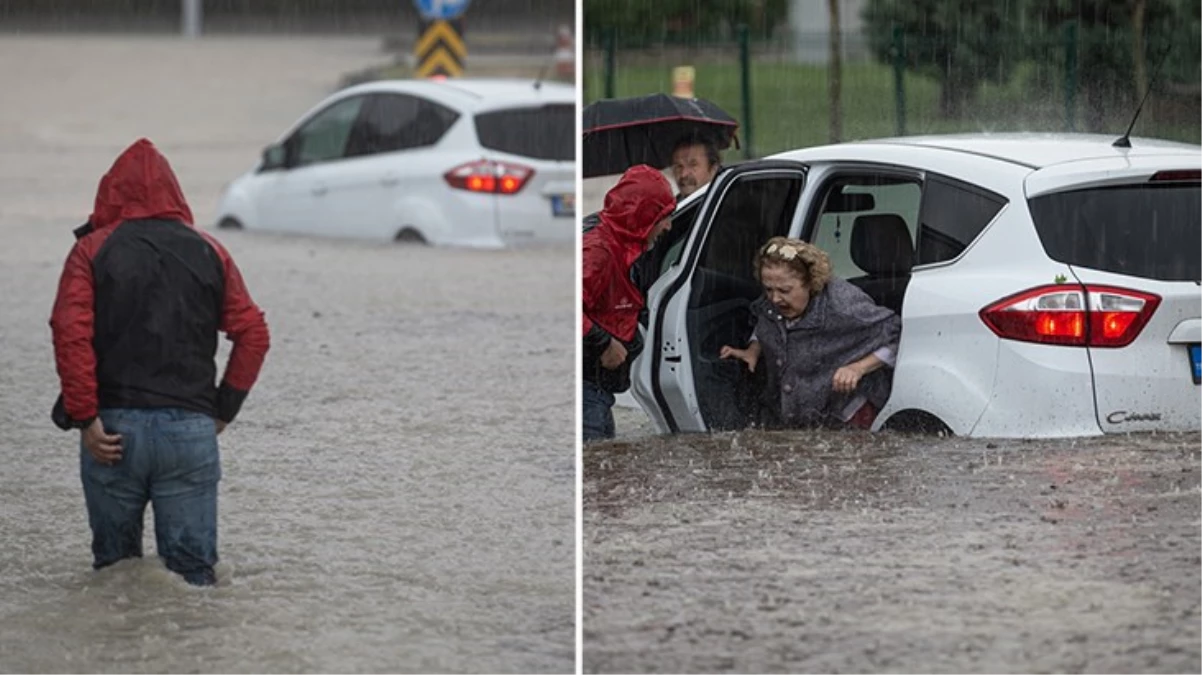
{"points": [[1177, 175], [1080, 316], [489, 177]]}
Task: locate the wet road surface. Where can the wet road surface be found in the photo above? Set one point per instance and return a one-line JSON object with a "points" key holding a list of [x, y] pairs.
{"points": [[854, 552]]}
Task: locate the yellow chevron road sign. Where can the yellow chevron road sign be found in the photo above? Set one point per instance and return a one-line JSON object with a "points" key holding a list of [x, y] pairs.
{"points": [[440, 49]]}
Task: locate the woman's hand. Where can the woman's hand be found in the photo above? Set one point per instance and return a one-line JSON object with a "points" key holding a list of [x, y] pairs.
{"points": [[750, 356], [847, 379]]}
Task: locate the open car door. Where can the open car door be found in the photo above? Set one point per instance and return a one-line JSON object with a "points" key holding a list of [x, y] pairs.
{"points": [[702, 302]]}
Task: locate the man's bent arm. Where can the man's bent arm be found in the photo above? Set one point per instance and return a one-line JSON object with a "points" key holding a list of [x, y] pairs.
{"points": [[243, 322], [72, 324]]}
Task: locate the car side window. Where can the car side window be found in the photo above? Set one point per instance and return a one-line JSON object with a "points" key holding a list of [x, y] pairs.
{"points": [[753, 210], [953, 215], [393, 122], [324, 137], [858, 207]]}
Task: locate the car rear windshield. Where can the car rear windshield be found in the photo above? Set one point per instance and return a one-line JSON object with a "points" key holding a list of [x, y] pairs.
{"points": [[543, 132], [1149, 231]]}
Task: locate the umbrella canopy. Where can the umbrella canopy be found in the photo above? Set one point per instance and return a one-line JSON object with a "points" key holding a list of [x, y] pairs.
{"points": [[620, 133]]}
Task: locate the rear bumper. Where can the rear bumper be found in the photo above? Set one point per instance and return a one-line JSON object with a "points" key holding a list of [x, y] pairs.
{"points": [[528, 218], [1155, 392]]}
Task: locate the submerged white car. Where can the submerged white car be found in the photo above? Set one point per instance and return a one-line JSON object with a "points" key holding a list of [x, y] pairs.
{"points": [[482, 163], [1048, 284]]}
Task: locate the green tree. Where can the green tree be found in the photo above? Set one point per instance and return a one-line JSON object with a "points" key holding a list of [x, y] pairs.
{"points": [[1119, 45], [958, 42]]}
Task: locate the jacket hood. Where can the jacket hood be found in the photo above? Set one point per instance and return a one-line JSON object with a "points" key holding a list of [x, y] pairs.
{"points": [[139, 185], [641, 199]]}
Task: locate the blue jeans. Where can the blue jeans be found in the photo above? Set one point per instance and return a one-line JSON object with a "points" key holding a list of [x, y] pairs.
{"points": [[597, 413], [169, 457]]}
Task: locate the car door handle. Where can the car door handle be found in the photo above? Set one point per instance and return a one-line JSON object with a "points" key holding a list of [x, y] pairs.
{"points": [[320, 190], [390, 181]]}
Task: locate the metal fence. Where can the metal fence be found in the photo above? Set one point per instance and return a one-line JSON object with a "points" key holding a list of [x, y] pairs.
{"points": [[783, 89]]}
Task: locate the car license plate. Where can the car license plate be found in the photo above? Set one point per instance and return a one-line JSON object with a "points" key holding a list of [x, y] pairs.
{"points": [[1195, 362], [563, 206]]}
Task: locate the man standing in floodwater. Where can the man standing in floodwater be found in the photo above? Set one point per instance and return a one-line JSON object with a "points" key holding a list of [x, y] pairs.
{"points": [[142, 297], [635, 214]]}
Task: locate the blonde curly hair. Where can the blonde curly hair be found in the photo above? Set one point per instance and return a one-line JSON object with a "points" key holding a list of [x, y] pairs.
{"points": [[806, 259]]}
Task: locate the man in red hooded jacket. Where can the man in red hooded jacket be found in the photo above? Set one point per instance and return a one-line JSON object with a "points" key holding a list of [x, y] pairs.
{"points": [[140, 302], [635, 214]]}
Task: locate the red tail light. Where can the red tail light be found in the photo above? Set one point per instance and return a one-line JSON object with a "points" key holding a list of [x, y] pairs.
{"points": [[1080, 316], [490, 177], [1177, 175]]}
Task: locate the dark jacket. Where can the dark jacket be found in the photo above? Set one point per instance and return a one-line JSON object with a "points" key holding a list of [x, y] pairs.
{"points": [[611, 300], [841, 325], [140, 302]]}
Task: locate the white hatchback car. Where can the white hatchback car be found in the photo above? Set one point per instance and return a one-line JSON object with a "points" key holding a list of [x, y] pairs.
{"points": [[1048, 284], [481, 163]]}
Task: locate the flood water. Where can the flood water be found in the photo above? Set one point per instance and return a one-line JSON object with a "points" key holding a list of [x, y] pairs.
{"points": [[854, 552], [398, 491]]}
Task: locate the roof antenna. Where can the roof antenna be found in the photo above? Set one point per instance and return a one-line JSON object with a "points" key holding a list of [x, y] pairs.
{"points": [[1125, 140], [542, 74]]}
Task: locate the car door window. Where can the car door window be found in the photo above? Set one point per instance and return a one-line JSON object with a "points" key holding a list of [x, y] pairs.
{"points": [[953, 215], [862, 201], [753, 210], [674, 240], [324, 137], [666, 252], [394, 122]]}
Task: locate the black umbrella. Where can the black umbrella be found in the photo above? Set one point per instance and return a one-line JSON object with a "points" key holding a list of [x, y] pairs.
{"points": [[622, 132]]}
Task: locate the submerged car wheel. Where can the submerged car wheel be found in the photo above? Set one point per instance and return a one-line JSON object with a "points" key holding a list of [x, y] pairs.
{"points": [[229, 224], [918, 422], [409, 235]]}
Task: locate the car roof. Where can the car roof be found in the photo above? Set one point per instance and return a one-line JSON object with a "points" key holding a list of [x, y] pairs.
{"points": [[1027, 152], [474, 94], [1032, 150]]}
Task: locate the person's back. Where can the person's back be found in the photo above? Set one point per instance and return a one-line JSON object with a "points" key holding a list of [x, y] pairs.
{"points": [[141, 300], [159, 290]]}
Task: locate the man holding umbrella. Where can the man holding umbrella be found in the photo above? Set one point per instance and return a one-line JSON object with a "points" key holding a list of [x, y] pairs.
{"points": [[659, 130], [695, 161], [635, 214]]}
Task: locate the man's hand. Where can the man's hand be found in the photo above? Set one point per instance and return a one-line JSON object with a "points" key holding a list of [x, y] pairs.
{"points": [[614, 354], [105, 448], [220, 425]]}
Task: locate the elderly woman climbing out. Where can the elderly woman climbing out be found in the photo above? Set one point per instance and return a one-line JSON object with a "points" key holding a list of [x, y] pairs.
{"points": [[828, 350]]}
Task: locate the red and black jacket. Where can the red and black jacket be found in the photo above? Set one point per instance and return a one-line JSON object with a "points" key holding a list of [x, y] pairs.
{"points": [[641, 198], [140, 302]]}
